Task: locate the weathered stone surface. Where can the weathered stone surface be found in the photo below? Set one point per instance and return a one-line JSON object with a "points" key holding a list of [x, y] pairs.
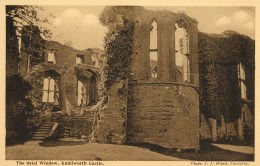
{"points": [[112, 125], [163, 110], [65, 58], [163, 120], [74, 126]]}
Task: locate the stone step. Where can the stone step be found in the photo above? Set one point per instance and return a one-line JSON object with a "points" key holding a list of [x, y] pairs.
{"points": [[40, 134], [46, 125], [37, 138], [44, 129]]}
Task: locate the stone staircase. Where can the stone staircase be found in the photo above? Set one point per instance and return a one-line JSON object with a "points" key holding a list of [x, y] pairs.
{"points": [[72, 109], [42, 131]]}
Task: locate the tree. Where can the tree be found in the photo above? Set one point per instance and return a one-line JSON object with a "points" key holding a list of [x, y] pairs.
{"points": [[24, 20], [18, 106], [23, 15]]}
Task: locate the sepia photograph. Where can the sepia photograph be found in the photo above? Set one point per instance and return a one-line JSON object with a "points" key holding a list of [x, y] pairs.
{"points": [[129, 83]]}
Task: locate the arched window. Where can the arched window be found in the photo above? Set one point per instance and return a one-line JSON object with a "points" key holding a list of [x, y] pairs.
{"points": [[182, 46], [87, 90], [51, 89], [82, 92], [153, 49], [242, 79], [93, 90]]}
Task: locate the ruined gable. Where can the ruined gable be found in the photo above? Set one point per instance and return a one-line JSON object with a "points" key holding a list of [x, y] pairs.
{"points": [[161, 110]]}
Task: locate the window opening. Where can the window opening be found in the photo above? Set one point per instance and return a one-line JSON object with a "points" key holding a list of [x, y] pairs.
{"points": [[153, 49], [82, 92], [182, 52], [50, 90], [242, 79], [51, 57], [79, 59]]}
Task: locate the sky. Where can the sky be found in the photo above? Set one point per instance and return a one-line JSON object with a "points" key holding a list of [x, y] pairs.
{"points": [[80, 25]]}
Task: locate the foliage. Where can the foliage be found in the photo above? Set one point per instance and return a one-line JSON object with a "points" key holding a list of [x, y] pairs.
{"points": [[22, 21], [219, 56], [111, 15], [33, 44], [14, 91], [12, 51], [26, 15], [35, 77], [118, 45], [18, 106]]}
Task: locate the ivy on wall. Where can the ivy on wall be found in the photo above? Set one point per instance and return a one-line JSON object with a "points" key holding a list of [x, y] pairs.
{"points": [[118, 45], [219, 56]]}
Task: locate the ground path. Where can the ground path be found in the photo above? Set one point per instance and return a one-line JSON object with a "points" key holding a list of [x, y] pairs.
{"points": [[79, 150], [33, 150], [234, 148]]}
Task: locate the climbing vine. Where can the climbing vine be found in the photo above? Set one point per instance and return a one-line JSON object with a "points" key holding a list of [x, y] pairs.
{"points": [[219, 56], [118, 45]]}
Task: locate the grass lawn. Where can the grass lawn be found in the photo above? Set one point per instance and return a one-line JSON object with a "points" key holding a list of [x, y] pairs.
{"points": [[78, 150], [210, 152], [60, 150]]}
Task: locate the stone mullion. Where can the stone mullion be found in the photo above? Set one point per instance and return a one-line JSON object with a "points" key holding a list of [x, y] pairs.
{"points": [[146, 48], [193, 44], [163, 51], [62, 92], [172, 58]]}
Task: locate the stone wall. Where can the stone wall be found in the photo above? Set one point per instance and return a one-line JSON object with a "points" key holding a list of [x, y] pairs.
{"points": [[36, 77], [167, 70], [248, 118], [163, 114], [210, 130], [65, 58], [205, 131], [113, 119], [163, 110], [76, 126]]}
